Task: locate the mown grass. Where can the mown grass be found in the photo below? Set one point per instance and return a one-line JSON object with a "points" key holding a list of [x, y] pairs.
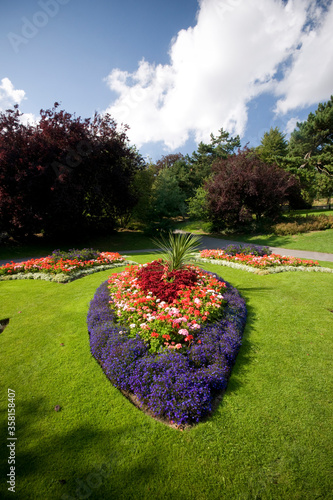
{"points": [[314, 241], [270, 438]]}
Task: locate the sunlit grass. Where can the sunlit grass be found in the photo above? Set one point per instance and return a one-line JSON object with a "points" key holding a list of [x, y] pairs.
{"points": [[270, 438]]}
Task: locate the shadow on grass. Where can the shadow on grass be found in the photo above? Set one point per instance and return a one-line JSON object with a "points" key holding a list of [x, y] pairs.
{"points": [[245, 356], [247, 353], [62, 463]]}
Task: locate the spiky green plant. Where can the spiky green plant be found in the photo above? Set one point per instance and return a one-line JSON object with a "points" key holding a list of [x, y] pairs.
{"points": [[178, 250]]}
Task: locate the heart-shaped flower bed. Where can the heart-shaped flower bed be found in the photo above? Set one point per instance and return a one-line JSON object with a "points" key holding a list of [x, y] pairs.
{"points": [[178, 386]]}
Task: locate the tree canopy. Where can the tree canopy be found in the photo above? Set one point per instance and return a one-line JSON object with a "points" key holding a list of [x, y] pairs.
{"points": [[312, 140], [273, 146], [243, 185], [63, 174]]}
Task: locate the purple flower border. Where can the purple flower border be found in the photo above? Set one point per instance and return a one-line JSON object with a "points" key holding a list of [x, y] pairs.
{"points": [[173, 386]]}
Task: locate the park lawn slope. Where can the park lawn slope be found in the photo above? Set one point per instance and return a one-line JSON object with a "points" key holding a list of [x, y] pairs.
{"points": [[269, 438], [314, 241]]}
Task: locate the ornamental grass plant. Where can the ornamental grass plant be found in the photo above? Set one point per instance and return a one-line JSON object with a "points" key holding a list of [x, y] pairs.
{"points": [[178, 249]]}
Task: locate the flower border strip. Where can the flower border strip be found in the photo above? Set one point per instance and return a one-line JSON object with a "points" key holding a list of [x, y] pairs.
{"points": [[178, 388], [271, 270], [62, 277]]}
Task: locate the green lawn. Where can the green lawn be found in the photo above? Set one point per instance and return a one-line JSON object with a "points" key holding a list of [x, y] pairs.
{"points": [[270, 438], [315, 241]]}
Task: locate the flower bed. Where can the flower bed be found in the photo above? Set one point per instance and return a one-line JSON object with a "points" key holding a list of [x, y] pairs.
{"points": [[265, 264], [176, 385], [62, 266], [165, 309], [259, 262]]}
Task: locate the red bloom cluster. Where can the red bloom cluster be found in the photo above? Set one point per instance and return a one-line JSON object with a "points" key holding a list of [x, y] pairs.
{"points": [[263, 262], [67, 266], [165, 285], [194, 298]]}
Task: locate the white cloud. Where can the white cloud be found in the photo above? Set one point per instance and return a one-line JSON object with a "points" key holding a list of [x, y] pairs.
{"points": [[216, 68], [310, 78], [291, 125], [29, 119], [8, 95]]}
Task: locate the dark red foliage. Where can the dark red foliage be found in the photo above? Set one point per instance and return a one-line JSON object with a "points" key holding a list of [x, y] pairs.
{"points": [[243, 185], [63, 174], [165, 285]]}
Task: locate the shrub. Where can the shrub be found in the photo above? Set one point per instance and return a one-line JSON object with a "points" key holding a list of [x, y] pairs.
{"points": [[304, 225], [247, 250], [82, 255]]}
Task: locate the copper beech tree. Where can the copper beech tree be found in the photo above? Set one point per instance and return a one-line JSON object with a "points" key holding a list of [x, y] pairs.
{"points": [[63, 175], [243, 184]]}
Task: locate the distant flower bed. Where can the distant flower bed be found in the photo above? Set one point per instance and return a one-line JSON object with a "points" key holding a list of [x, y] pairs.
{"points": [[176, 383], [246, 249], [259, 262], [62, 266]]}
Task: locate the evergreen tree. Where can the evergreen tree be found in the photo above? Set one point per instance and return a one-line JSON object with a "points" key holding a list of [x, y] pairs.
{"points": [[312, 140], [273, 146]]}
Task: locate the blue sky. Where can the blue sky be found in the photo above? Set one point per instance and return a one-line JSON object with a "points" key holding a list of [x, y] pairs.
{"points": [[173, 71]]}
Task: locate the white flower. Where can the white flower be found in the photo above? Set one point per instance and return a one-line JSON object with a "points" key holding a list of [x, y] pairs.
{"points": [[132, 325]]}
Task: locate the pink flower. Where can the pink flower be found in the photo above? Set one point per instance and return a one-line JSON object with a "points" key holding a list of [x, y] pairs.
{"points": [[183, 331]]}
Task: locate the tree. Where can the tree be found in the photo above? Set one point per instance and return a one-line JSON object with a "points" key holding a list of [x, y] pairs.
{"points": [[325, 188], [273, 146], [220, 146], [64, 174], [168, 199], [198, 205], [142, 185], [243, 185], [310, 150], [168, 161], [312, 141]]}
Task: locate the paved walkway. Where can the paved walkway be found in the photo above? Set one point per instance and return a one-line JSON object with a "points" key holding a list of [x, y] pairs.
{"points": [[211, 243]]}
